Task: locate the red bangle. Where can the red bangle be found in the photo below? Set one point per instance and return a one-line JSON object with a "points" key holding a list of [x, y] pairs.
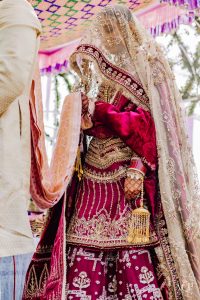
{"points": [[137, 164]]}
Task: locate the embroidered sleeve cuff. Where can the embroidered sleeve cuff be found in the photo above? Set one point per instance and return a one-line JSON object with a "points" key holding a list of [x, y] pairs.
{"points": [[137, 166], [134, 174]]}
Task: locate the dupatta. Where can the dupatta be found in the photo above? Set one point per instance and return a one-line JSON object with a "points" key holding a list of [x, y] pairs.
{"points": [[49, 182]]}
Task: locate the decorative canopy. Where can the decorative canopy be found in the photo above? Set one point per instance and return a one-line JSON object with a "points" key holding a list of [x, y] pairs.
{"points": [[65, 21]]}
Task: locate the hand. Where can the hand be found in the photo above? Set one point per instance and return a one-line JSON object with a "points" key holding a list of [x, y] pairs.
{"points": [[85, 103], [86, 122], [132, 187]]}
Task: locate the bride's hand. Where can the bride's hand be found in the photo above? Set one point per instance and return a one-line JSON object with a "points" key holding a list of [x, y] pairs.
{"points": [[132, 187], [88, 105], [86, 120], [85, 103]]}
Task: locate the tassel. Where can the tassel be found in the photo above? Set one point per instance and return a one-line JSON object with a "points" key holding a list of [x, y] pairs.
{"points": [[78, 164], [139, 231]]}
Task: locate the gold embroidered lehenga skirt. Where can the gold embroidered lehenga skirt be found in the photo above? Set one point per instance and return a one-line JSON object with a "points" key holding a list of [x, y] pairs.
{"points": [[101, 264]]}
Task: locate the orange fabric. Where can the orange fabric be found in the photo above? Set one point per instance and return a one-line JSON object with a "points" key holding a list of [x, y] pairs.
{"points": [[52, 180]]}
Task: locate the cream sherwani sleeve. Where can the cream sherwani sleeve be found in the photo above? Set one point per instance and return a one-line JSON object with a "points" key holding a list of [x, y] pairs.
{"points": [[18, 34], [19, 44]]}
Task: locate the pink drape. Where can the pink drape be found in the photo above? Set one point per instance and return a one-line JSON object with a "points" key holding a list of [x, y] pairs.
{"points": [[48, 183]]}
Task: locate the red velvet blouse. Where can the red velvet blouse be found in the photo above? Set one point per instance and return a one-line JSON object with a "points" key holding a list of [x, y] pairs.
{"points": [[132, 124]]}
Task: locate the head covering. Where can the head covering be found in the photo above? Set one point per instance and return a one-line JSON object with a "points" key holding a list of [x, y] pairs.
{"points": [[111, 35], [115, 49]]}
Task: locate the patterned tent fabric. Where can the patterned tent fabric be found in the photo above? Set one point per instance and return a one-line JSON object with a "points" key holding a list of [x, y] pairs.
{"points": [[65, 21], [188, 4]]}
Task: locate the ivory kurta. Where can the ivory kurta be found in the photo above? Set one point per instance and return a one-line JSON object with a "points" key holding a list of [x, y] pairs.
{"points": [[19, 42]]}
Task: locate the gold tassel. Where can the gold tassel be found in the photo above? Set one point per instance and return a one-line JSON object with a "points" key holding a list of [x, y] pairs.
{"points": [[139, 231], [78, 164]]}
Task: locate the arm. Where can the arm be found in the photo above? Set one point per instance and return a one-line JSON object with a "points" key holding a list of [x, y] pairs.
{"points": [[135, 176], [86, 121], [18, 42], [135, 128]]}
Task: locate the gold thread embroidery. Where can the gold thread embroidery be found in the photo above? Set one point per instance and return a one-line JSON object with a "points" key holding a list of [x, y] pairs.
{"points": [[102, 231], [105, 177], [102, 153]]}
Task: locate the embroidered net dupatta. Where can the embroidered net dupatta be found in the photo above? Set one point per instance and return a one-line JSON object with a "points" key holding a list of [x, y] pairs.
{"points": [[49, 181], [117, 34]]}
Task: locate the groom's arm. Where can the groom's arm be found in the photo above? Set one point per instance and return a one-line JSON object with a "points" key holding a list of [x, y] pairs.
{"points": [[18, 42]]}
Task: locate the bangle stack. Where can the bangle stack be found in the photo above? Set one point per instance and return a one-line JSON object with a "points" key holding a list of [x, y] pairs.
{"points": [[136, 170], [135, 174]]}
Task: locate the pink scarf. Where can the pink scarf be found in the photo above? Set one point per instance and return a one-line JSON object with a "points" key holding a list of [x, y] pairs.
{"points": [[48, 183]]}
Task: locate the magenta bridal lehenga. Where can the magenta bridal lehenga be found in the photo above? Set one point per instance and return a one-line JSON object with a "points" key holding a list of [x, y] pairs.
{"points": [[98, 244]]}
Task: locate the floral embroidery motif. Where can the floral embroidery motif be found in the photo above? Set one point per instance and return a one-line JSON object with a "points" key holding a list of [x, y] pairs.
{"points": [[106, 280], [146, 276], [158, 71], [112, 286], [82, 281]]}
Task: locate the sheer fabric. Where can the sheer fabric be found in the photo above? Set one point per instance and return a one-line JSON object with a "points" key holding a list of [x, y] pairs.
{"points": [[121, 38]]}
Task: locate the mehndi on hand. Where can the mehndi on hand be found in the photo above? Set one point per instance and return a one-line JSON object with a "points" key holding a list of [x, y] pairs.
{"points": [[133, 184]]}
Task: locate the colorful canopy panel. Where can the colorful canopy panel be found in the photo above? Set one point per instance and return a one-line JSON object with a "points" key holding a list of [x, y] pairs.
{"points": [[65, 21]]}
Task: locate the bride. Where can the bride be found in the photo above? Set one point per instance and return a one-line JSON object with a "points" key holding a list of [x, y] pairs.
{"points": [[128, 225]]}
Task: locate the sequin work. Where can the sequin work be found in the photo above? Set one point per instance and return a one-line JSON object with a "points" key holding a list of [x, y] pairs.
{"points": [[102, 215]]}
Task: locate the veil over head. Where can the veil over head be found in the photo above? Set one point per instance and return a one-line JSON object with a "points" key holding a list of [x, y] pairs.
{"points": [[114, 50], [112, 37]]}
